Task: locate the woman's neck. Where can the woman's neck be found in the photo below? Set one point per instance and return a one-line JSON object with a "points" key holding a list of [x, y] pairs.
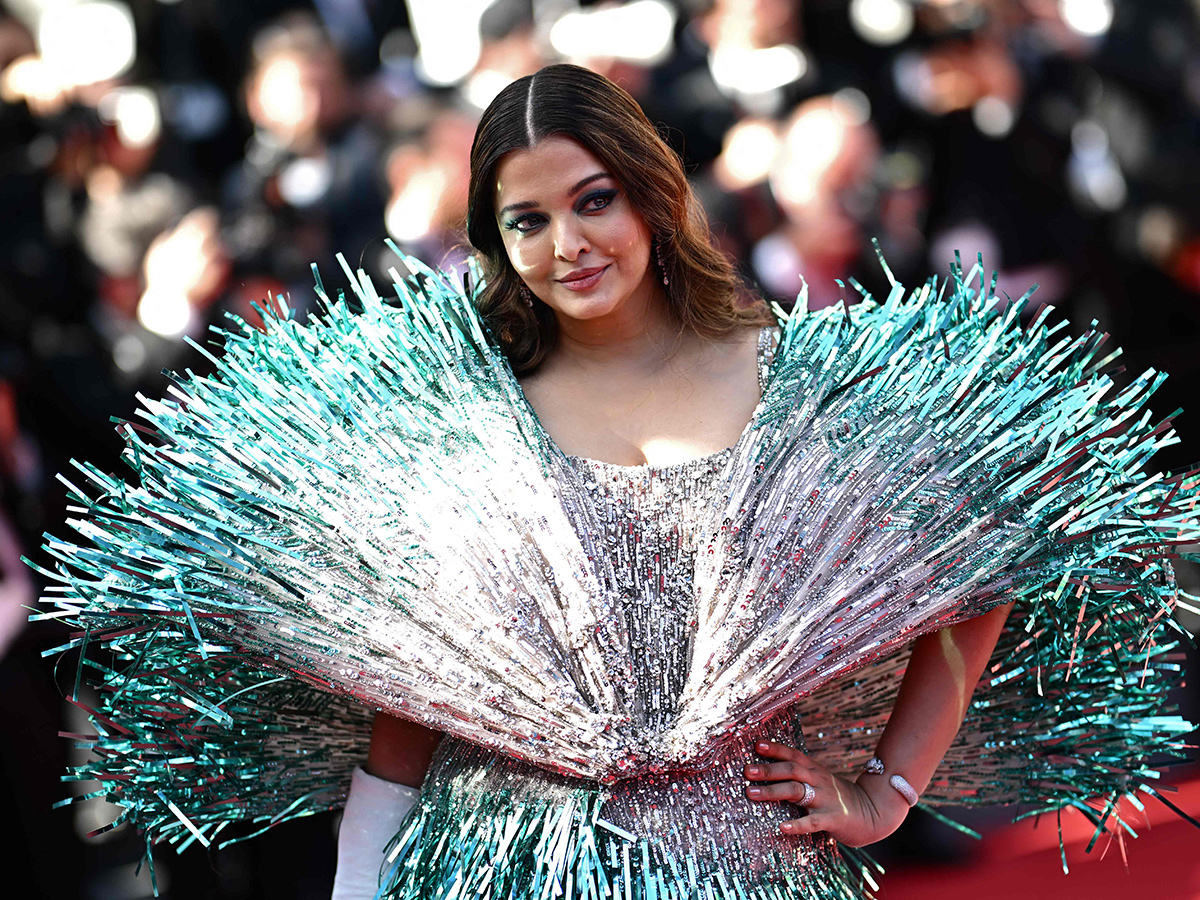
{"points": [[639, 333]]}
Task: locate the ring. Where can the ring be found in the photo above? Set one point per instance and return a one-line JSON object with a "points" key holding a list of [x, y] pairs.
{"points": [[809, 794]]}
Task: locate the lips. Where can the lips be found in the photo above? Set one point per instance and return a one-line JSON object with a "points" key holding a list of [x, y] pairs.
{"points": [[582, 279]]}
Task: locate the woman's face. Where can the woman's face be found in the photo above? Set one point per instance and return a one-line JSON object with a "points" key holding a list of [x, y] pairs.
{"points": [[570, 231]]}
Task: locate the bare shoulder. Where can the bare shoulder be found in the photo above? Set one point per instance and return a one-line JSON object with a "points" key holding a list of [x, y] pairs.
{"points": [[535, 383], [737, 352]]}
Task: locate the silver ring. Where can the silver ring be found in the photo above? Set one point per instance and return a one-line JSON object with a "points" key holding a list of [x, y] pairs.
{"points": [[809, 794], [900, 783]]}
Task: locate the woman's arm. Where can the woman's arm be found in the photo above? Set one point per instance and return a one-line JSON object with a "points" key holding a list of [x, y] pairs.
{"points": [[400, 750], [381, 797], [933, 699]]}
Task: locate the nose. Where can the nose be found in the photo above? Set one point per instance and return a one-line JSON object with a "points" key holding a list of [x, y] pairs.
{"points": [[569, 240]]}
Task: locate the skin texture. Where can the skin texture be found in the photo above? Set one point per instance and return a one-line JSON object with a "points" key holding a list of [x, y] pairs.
{"points": [[625, 386], [400, 750], [560, 211]]}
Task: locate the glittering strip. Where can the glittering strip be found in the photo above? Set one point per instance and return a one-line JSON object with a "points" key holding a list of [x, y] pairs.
{"points": [[463, 844]]}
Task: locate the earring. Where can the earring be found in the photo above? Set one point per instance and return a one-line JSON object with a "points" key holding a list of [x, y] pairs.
{"points": [[527, 295], [661, 268]]}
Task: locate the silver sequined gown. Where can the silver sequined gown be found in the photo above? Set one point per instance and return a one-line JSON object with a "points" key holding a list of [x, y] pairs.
{"points": [[649, 516]]}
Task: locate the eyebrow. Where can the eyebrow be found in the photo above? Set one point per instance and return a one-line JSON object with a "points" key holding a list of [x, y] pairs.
{"points": [[575, 189]]}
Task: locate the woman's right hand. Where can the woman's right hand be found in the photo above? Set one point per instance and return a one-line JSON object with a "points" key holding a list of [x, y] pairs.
{"points": [[851, 813]]}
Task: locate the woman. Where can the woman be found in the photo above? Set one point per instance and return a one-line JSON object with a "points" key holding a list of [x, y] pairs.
{"points": [[622, 585], [625, 326]]}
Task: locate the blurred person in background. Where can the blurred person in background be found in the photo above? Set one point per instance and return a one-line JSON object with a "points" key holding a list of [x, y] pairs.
{"points": [[427, 174], [510, 48], [310, 184], [756, 52], [823, 181], [128, 201], [969, 77]]}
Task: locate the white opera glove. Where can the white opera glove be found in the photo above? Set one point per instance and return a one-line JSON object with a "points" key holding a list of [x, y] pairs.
{"points": [[375, 810]]}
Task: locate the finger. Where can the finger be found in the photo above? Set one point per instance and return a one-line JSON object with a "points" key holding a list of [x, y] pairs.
{"points": [[775, 750], [781, 771], [810, 824], [784, 790]]}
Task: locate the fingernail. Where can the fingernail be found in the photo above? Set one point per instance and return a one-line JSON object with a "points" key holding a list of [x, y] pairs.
{"points": [[754, 792], [762, 747], [753, 772], [787, 826]]}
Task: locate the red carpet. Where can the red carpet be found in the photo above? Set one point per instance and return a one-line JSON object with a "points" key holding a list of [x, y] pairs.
{"points": [[1022, 861]]}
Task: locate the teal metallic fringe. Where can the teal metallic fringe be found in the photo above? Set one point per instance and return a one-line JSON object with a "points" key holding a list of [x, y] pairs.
{"points": [[196, 729]]}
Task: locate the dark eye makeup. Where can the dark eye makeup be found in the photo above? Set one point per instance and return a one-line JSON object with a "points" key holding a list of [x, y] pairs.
{"points": [[593, 201], [603, 197]]}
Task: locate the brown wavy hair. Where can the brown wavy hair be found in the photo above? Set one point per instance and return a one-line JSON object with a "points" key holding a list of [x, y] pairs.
{"points": [[703, 292]]}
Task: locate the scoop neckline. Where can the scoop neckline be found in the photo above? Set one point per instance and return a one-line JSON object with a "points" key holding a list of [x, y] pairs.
{"points": [[647, 467], [698, 462]]}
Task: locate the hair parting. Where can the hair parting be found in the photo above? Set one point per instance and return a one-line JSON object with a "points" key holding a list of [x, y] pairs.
{"points": [[529, 133]]}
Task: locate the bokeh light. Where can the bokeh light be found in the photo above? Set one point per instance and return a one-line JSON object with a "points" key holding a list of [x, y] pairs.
{"points": [[882, 22], [1088, 17], [87, 42]]}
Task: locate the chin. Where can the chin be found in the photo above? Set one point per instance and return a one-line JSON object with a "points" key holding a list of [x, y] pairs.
{"points": [[584, 306]]}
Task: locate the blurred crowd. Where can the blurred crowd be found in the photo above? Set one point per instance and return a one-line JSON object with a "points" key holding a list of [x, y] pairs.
{"points": [[165, 162]]}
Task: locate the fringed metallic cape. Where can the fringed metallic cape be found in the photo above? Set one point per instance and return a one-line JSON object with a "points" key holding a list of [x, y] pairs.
{"points": [[363, 512]]}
